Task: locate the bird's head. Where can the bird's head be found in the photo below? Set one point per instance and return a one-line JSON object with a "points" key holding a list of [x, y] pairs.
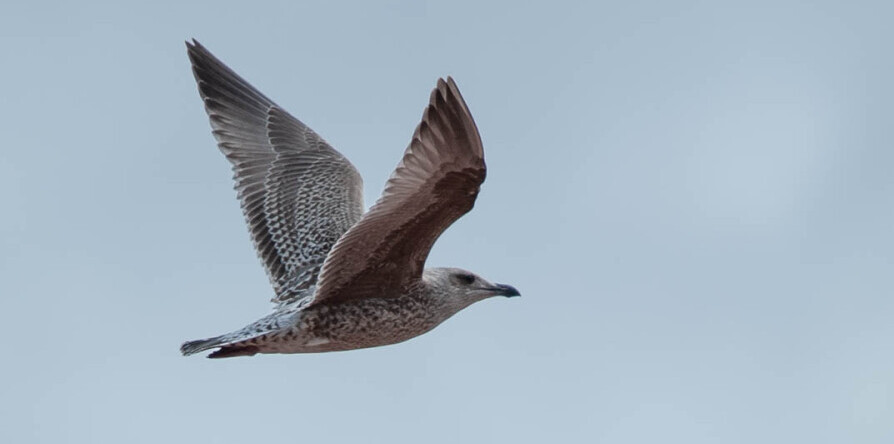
{"points": [[461, 288]]}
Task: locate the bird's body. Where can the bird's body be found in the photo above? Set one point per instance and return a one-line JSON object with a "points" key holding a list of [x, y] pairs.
{"points": [[361, 323], [344, 279]]}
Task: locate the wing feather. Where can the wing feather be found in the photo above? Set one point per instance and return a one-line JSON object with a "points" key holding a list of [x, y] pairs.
{"points": [[435, 183], [298, 194]]}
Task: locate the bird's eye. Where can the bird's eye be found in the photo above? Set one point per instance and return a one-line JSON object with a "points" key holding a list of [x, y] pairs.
{"points": [[465, 279]]}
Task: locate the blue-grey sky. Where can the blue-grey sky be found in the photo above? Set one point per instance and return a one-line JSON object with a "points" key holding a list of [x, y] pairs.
{"points": [[695, 199]]}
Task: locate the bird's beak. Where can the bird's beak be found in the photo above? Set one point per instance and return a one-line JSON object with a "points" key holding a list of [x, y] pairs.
{"points": [[504, 290]]}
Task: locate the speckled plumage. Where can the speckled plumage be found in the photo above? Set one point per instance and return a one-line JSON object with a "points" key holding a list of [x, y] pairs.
{"points": [[343, 279]]}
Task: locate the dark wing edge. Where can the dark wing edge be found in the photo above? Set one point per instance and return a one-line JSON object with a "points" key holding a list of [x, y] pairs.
{"points": [[274, 159], [435, 183]]}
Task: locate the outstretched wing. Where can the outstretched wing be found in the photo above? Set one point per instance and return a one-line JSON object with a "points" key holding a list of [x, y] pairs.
{"points": [[435, 183], [298, 194]]}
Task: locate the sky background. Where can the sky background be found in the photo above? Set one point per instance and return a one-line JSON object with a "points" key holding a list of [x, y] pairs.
{"points": [[694, 198]]}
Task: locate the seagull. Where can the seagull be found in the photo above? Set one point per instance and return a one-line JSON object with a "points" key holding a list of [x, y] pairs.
{"points": [[343, 279]]}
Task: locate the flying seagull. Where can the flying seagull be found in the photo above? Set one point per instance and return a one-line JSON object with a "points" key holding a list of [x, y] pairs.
{"points": [[344, 279]]}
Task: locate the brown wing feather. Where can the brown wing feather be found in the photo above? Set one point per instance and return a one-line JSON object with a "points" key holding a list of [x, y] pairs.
{"points": [[435, 183]]}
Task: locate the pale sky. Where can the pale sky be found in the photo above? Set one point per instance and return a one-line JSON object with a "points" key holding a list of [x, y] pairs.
{"points": [[694, 198]]}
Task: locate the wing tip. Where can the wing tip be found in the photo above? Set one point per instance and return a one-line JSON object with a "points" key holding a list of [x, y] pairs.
{"points": [[446, 89], [446, 96], [451, 83], [194, 47], [450, 86], [197, 55]]}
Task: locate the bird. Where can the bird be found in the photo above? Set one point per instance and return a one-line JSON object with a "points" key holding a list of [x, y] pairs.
{"points": [[343, 279]]}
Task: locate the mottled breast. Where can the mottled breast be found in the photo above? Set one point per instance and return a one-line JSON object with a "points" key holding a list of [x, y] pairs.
{"points": [[369, 322]]}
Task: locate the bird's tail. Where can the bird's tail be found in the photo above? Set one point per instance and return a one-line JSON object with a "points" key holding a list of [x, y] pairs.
{"points": [[193, 347], [242, 342], [228, 348]]}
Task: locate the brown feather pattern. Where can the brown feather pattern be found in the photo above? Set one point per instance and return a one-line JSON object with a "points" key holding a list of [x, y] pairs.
{"points": [[435, 183]]}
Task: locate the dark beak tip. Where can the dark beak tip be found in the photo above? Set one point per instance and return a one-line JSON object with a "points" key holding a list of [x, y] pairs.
{"points": [[508, 290]]}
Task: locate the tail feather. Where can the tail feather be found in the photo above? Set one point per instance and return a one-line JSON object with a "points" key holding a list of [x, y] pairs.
{"points": [[227, 348], [229, 351], [242, 342], [193, 347]]}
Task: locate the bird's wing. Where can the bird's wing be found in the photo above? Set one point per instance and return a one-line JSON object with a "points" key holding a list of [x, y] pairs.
{"points": [[435, 183], [298, 194]]}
